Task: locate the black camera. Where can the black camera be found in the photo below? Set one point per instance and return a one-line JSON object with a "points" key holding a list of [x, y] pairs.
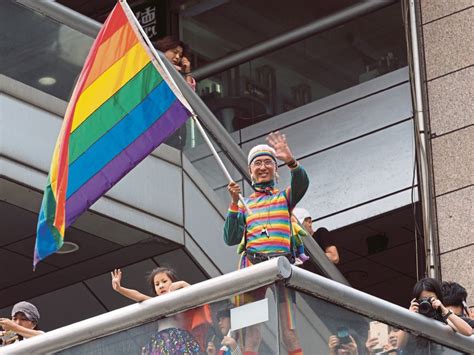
{"points": [[343, 335], [425, 307]]}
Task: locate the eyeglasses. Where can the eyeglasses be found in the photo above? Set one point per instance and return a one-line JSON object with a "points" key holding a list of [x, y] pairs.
{"points": [[269, 163]]}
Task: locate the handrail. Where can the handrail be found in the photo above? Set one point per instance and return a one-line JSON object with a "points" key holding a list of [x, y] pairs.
{"points": [[125, 318], [290, 37], [234, 283], [376, 308], [64, 15]]}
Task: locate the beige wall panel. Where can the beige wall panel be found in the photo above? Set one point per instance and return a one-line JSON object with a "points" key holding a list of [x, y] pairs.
{"points": [[453, 160], [449, 43], [455, 218], [450, 99], [434, 9]]}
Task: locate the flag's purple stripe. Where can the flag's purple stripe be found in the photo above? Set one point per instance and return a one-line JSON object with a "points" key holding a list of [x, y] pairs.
{"points": [[125, 161]]}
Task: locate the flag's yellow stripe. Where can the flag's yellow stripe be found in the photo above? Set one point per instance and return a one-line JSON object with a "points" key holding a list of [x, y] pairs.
{"points": [[109, 83]]}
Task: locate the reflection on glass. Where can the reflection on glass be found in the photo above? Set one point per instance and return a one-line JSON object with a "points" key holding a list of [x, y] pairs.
{"points": [[337, 59], [234, 25], [326, 328], [40, 52], [191, 327]]}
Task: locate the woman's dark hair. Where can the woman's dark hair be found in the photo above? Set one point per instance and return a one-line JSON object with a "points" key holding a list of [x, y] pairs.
{"points": [[428, 284], [166, 270], [166, 43]]}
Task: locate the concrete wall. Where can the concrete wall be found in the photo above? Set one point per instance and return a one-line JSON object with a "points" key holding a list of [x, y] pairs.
{"points": [[448, 44]]}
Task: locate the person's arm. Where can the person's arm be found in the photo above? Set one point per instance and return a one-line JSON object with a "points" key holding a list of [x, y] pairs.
{"points": [[458, 324], [332, 254], [234, 226], [403, 337], [8, 324], [299, 179], [178, 284], [327, 244], [186, 71], [299, 185], [127, 292]]}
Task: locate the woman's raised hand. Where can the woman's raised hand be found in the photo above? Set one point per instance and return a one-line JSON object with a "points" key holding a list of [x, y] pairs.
{"points": [[413, 306], [116, 279]]}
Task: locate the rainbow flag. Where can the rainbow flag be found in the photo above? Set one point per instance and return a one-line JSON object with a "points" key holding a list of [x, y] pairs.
{"points": [[122, 108]]}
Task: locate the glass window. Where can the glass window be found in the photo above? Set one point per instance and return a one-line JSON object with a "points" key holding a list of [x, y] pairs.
{"points": [[337, 59], [41, 52]]}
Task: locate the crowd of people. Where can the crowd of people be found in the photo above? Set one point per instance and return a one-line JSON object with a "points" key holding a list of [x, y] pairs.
{"points": [[264, 225]]}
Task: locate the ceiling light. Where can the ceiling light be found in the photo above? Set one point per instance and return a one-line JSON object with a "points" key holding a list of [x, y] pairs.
{"points": [[47, 80], [68, 248]]}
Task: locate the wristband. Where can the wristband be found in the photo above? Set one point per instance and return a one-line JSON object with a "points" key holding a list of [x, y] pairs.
{"points": [[292, 163], [447, 315]]}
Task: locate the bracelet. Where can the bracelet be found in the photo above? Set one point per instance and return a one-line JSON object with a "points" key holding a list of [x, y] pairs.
{"points": [[447, 314], [292, 163]]}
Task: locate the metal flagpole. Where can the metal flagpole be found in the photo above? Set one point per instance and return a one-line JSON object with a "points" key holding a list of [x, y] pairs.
{"points": [[181, 98]]}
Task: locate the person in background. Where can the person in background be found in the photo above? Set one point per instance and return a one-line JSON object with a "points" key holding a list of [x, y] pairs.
{"points": [[177, 53], [23, 325], [455, 297], [342, 344], [321, 235], [224, 342], [182, 333], [428, 300], [391, 348]]}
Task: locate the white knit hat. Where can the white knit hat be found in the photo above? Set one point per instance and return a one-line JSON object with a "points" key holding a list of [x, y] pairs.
{"points": [[301, 214], [259, 150]]}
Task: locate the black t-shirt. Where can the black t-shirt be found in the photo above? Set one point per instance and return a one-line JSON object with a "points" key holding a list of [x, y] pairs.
{"points": [[468, 321], [323, 238]]}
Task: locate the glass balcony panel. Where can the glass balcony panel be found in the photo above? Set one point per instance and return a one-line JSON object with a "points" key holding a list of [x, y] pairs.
{"points": [[199, 330], [327, 328]]}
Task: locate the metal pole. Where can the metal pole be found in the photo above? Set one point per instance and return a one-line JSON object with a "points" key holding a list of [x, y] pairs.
{"points": [[421, 140], [65, 15], [289, 38], [160, 66]]}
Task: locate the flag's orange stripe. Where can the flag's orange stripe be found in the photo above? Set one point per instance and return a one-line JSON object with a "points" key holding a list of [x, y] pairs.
{"points": [[111, 51]]}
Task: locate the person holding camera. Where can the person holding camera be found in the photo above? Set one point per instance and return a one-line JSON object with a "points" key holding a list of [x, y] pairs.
{"points": [[342, 343], [428, 301]]}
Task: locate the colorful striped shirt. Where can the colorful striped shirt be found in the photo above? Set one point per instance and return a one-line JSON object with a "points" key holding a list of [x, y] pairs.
{"points": [[267, 228]]}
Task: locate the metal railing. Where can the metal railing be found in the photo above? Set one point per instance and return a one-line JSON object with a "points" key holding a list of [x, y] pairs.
{"points": [[234, 283]]}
